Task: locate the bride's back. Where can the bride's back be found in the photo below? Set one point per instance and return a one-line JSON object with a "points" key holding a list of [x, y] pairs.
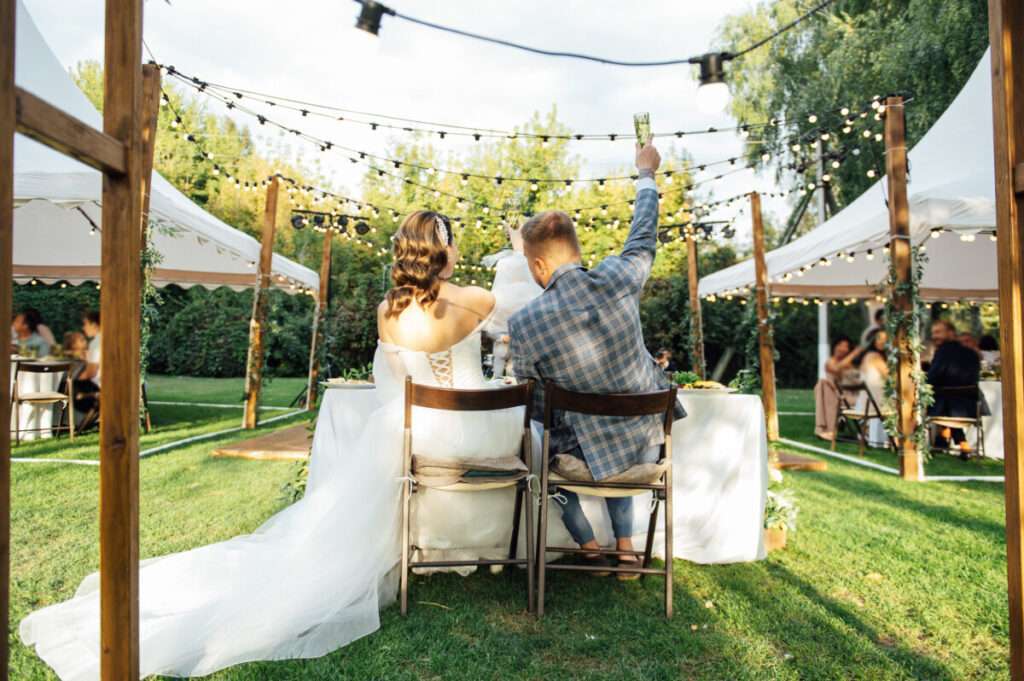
{"points": [[453, 316]]}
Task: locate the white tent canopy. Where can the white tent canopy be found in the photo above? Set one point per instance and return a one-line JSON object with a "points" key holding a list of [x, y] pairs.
{"points": [[57, 204], [951, 187]]}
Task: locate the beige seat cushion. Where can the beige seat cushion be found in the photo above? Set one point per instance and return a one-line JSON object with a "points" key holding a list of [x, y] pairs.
{"points": [[566, 468], [462, 475], [952, 421]]}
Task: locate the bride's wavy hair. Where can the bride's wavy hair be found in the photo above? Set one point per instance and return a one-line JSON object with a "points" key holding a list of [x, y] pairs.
{"points": [[420, 255]]}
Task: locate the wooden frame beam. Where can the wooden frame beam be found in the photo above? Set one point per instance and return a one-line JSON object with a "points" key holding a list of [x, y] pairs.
{"points": [[1006, 34], [120, 312], [58, 130], [901, 254], [697, 322], [319, 311], [766, 347], [254, 362], [7, 126]]}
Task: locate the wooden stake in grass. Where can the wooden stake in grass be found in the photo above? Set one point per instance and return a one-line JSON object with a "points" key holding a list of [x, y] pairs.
{"points": [[318, 312], [254, 362], [1006, 34]]}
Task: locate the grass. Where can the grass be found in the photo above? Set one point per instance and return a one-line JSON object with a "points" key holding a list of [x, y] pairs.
{"points": [[883, 580]]}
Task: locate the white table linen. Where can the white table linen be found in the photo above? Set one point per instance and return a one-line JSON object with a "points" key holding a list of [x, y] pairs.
{"points": [[993, 425], [34, 415]]}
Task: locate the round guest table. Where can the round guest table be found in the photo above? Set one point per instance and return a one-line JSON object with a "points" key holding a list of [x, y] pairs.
{"points": [[720, 474]]}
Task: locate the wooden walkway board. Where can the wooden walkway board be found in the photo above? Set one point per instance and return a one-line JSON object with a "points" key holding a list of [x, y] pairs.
{"points": [[287, 444], [788, 461]]}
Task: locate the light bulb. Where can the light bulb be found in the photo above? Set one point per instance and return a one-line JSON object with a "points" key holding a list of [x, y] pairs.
{"points": [[712, 98]]}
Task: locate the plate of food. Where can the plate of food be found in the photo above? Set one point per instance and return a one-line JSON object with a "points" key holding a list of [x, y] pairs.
{"points": [[689, 382], [346, 384]]}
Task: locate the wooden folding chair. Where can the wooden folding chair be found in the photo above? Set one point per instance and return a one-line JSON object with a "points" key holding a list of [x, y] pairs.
{"points": [[967, 392], [659, 483], [43, 398], [516, 475], [858, 418]]}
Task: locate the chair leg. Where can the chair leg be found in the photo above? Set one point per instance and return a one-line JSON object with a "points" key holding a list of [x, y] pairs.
{"points": [[669, 555], [531, 558], [862, 437], [16, 407], [404, 577], [542, 535], [652, 525], [515, 521]]}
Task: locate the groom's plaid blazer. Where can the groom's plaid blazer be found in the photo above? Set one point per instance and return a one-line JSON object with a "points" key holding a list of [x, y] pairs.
{"points": [[584, 334]]}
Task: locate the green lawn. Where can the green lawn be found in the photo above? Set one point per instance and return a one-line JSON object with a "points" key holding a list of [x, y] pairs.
{"points": [[884, 580]]}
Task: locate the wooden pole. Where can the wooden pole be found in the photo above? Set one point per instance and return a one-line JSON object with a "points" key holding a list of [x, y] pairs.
{"points": [[766, 347], [254, 363], [120, 303], [149, 122], [696, 323], [7, 115], [1006, 33], [901, 253], [318, 313]]}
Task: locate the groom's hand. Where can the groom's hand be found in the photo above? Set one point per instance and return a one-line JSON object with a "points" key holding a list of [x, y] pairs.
{"points": [[647, 158]]}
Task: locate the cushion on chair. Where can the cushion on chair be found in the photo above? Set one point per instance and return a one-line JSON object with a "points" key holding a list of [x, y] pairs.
{"points": [[43, 396], [566, 468], [456, 475], [952, 421]]}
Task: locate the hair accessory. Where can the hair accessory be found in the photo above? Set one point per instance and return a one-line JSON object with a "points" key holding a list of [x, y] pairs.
{"points": [[442, 230]]}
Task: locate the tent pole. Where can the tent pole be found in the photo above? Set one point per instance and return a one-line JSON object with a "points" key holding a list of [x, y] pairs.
{"points": [[7, 116], [766, 349], [696, 323], [120, 308], [823, 344], [900, 251], [254, 362], [319, 311], [1006, 34]]}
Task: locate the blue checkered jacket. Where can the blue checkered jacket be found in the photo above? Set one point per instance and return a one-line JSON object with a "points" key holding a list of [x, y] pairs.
{"points": [[584, 334]]}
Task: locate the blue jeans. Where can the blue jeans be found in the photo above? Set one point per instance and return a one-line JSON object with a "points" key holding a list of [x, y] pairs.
{"points": [[619, 508]]}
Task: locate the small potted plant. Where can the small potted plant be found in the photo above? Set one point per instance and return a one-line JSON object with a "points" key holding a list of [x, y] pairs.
{"points": [[780, 513]]}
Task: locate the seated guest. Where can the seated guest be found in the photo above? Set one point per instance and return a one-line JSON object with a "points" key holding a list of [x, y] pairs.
{"points": [[826, 391], [76, 345], [25, 336], [663, 358], [968, 340], [988, 346], [87, 385], [42, 329], [953, 365], [879, 318]]}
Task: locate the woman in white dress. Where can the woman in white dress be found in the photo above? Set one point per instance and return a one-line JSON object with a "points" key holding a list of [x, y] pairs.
{"points": [[314, 577], [874, 370]]}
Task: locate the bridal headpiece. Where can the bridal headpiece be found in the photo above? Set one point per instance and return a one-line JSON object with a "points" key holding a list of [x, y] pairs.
{"points": [[442, 230]]}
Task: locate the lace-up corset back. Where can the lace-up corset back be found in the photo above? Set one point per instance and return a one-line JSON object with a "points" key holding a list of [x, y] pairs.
{"points": [[457, 367]]}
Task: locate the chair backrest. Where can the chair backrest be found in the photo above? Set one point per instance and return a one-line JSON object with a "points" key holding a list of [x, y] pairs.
{"points": [[43, 367], [454, 399], [612, 404]]}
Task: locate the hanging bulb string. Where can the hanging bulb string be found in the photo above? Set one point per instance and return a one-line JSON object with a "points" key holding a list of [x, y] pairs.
{"points": [[443, 130]]}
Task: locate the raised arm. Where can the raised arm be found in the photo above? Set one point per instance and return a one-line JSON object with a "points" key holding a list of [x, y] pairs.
{"points": [[642, 242]]}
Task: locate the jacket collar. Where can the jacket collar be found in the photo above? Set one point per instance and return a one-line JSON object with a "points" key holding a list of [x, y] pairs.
{"points": [[568, 267]]}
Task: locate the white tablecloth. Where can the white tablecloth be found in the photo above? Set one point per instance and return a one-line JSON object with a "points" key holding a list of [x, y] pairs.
{"points": [[993, 425], [720, 476], [32, 415]]}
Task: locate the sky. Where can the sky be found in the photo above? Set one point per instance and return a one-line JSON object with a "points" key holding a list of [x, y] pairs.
{"points": [[310, 50]]}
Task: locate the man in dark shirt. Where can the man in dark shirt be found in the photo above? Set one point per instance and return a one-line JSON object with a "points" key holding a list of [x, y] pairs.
{"points": [[953, 365]]}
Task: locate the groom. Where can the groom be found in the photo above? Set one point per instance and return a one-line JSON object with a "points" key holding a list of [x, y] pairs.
{"points": [[583, 333]]}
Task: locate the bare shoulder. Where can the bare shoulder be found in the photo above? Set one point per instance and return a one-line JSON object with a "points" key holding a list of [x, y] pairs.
{"points": [[382, 315], [479, 301]]}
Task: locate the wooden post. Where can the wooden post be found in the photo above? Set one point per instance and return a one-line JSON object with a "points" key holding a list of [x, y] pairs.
{"points": [[149, 122], [318, 313], [1006, 33], [120, 303], [7, 118], [901, 253], [254, 363], [696, 323], [766, 347]]}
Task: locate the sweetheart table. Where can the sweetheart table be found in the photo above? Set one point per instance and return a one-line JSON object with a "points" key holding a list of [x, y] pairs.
{"points": [[720, 476]]}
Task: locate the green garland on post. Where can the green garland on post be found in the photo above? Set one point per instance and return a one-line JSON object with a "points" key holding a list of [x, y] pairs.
{"points": [[151, 300], [910, 323]]}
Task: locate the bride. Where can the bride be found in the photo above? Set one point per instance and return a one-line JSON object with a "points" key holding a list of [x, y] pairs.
{"points": [[314, 577]]}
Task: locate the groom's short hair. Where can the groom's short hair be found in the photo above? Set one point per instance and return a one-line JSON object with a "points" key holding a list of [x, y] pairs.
{"points": [[549, 228]]}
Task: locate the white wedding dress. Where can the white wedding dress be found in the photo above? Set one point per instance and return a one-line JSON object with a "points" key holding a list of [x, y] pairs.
{"points": [[313, 577]]}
